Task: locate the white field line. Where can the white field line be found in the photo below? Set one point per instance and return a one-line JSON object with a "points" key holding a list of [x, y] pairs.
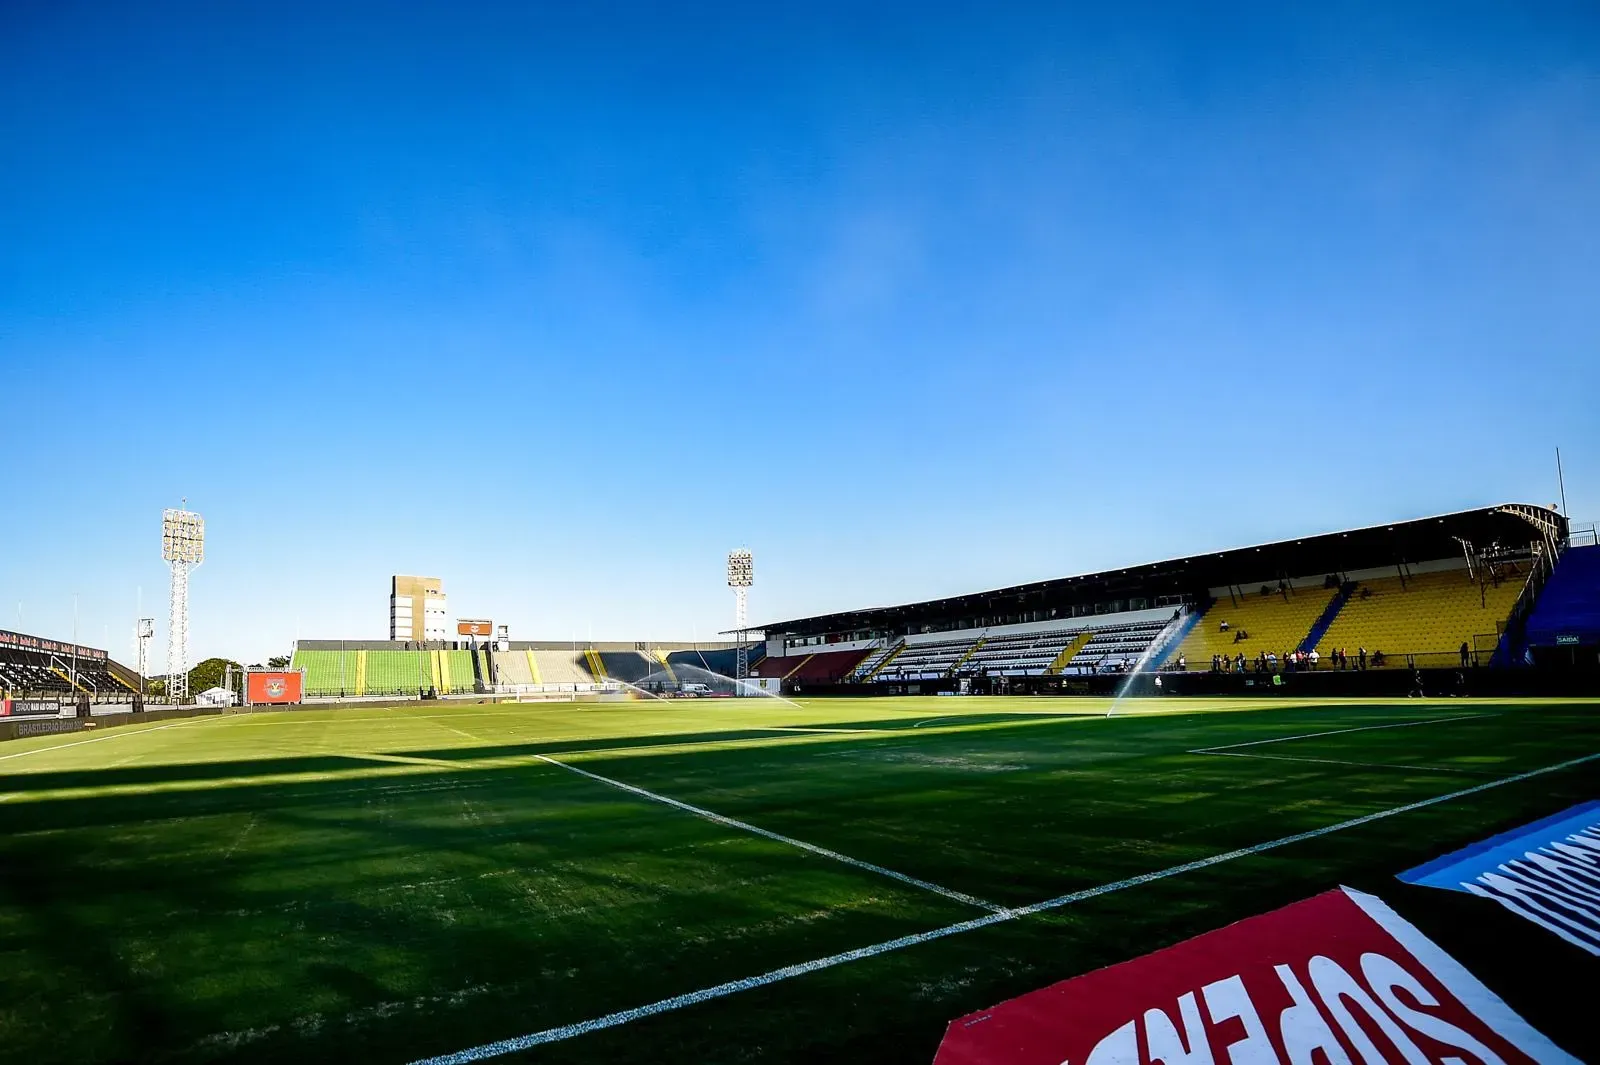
{"points": [[611, 1020], [812, 848], [1340, 732], [116, 733], [1337, 761], [808, 728]]}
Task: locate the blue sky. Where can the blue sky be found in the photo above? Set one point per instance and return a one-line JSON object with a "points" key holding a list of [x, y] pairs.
{"points": [[561, 302]]}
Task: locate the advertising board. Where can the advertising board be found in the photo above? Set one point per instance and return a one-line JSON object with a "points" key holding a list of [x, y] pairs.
{"points": [[1337, 978], [274, 687]]}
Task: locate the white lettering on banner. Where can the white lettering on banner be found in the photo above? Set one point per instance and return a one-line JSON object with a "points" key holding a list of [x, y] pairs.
{"points": [[1163, 1043], [1335, 987], [1549, 891], [1229, 999], [1121, 1047], [1302, 1027], [1555, 883], [1385, 975]]}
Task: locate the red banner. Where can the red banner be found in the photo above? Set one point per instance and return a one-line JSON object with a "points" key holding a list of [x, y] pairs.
{"points": [[1337, 979], [271, 688]]}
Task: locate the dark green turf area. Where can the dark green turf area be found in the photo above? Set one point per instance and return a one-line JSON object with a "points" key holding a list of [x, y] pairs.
{"points": [[388, 884]]}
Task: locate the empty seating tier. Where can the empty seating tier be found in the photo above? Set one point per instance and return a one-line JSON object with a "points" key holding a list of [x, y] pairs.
{"points": [[927, 661], [1028, 653], [720, 660], [1115, 648], [562, 667], [1274, 623], [1427, 613], [327, 672], [630, 667], [394, 672], [825, 667]]}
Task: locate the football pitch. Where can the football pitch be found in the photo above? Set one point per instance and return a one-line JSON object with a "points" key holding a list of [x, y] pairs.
{"points": [[717, 880]]}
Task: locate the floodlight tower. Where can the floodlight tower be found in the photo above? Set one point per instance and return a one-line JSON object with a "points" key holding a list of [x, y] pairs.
{"points": [[183, 545], [741, 575], [145, 629]]}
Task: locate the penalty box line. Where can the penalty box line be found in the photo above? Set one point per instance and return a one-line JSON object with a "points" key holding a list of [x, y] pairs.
{"points": [[612, 1020], [1340, 732], [812, 848], [1340, 761]]}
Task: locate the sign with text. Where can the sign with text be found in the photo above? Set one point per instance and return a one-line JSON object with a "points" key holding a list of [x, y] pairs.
{"points": [[29, 707], [17, 641], [1547, 872], [269, 687], [470, 627], [1337, 979]]}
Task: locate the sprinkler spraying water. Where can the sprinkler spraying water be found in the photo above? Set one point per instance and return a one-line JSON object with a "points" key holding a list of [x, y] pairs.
{"points": [[687, 679], [1156, 649]]}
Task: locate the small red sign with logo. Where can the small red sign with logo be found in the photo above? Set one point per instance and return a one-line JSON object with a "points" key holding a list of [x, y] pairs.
{"points": [[272, 688]]}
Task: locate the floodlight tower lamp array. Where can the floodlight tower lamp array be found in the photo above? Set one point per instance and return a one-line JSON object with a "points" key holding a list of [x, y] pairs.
{"points": [[183, 546], [741, 575]]}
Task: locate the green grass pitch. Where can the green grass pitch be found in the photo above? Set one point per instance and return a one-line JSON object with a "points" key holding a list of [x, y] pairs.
{"points": [[390, 884]]}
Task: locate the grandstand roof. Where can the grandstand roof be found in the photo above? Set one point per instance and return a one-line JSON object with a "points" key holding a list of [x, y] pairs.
{"points": [[1418, 540]]}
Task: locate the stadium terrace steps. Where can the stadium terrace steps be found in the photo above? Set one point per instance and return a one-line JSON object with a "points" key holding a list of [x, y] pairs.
{"points": [[327, 672], [783, 666], [1020, 653], [515, 667], [461, 672], [533, 667], [1275, 623], [894, 652], [392, 672], [593, 663], [630, 667], [874, 663], [1073, 646], [1320, 627], [1569, 605], [561, 667], [929, 660], [361, 672], [1426, 613], [1114, 647], [974, 649], [660, 658], [720, 660], [823, 667]]}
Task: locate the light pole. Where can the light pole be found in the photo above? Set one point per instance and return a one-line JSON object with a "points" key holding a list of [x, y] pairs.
{"points": [[741, 576], [183, 545]]}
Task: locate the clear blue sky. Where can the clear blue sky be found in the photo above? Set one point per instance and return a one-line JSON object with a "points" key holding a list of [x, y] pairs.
{"points": [[911, 300]]}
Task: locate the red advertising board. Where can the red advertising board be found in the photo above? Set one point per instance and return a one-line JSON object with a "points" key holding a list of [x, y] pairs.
{"points": [[273, 687], [1337, 979]]}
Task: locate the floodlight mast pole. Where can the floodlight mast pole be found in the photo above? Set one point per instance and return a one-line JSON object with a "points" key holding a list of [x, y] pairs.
{"points": [[741, 575], [146, 628], [183, 545]]}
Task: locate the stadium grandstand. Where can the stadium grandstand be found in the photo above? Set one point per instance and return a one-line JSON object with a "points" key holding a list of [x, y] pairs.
{"points": [[41, 676], [342, 669], [1447, 592]]}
